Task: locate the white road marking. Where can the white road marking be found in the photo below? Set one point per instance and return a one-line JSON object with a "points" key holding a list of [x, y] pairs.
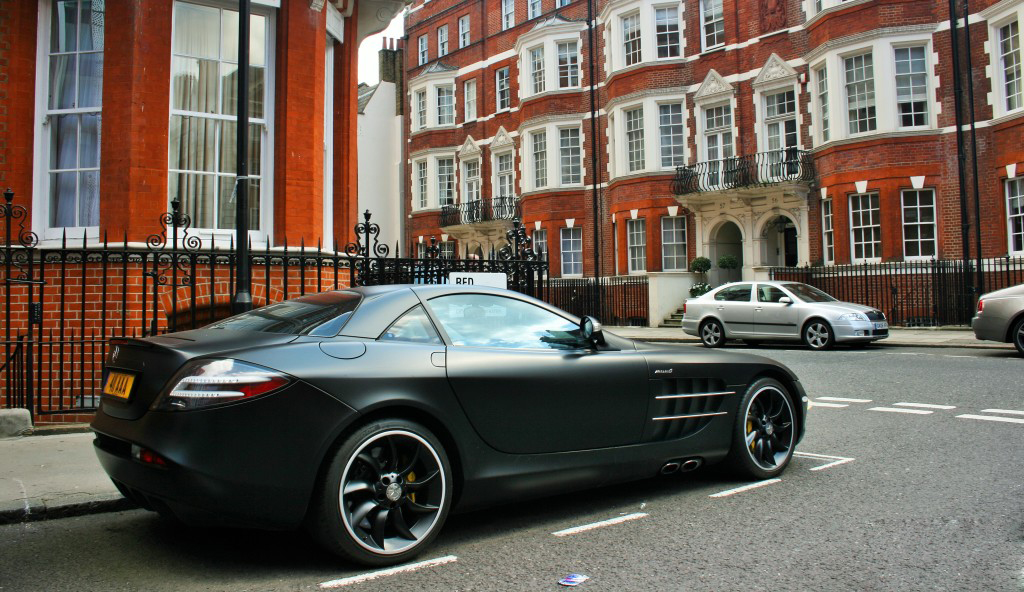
{"points": [[817, 404], [924, 405], [1009, 411], [899, 410], [993, 418], [843, 400], [836, 460], [952, 356], [373, 575], [603, 523], [729, 492]]}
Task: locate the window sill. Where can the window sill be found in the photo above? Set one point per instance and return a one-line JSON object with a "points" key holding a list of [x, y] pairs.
{"points": [[710, 50]]}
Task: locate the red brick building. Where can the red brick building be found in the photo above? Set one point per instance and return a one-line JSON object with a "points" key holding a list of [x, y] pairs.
{"points": [[110, 109], [809, 131]]}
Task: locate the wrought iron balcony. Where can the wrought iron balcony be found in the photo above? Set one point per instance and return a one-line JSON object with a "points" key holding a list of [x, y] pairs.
{"points": [[753, 170], [481, 210]]}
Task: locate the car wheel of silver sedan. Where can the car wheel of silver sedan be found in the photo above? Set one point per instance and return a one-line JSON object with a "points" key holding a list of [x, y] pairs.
{"points": [[712, 334], [385, 494], [1018, 336], [818, 335]]}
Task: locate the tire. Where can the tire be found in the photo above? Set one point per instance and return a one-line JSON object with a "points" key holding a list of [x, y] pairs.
{"points": [[712, 334], [384, 496], [1017, 335], [818, 335], [764, 434]]}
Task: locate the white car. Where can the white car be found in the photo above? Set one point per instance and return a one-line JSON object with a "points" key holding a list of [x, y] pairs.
{"points": [[780, 311]]}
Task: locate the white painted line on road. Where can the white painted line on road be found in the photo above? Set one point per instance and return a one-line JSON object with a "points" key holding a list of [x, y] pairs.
{"points": [[924, 405], [952, 356], [1008, 411], [900, 410], [836, 405], [729, 492], [373, 575], [602, 524], [836, 460], [993, 418], [843, 400]]}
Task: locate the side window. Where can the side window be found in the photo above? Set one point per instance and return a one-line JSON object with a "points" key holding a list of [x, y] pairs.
{"points": [[769, 293], [479, 320], [740, 293], [413, 326]]}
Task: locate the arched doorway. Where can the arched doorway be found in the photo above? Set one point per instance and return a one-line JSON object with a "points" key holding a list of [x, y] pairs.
{"points": [[780, 242], [727, 239]]}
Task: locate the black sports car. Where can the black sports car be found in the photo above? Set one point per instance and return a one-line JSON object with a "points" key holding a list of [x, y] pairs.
{"points": [[368, 414]]}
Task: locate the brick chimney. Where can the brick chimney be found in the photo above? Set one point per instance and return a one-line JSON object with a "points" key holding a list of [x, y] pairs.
{"points": [[390, 62]]}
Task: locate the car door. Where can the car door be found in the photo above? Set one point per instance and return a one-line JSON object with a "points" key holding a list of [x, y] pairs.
{"points": [[735, 309], [771, 317], [528, 384]]}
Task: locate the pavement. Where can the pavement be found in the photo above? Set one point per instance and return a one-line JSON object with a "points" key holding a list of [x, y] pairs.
{"points": [[52, 471]]}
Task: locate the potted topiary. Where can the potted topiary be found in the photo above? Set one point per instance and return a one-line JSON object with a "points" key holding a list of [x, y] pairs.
{"points": [[728, 262], [700, 265]]}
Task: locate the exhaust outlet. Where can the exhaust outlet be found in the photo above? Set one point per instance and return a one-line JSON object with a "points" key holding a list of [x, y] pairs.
{"points": [[669, 468], [690, 464]]}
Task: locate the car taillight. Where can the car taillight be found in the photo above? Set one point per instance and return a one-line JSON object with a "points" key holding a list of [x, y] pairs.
{"points": [[684, 309], [215, 382], [981, 305]]}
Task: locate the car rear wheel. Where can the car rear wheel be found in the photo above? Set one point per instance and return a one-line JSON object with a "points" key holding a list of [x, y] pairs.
{"points": [[765, 432], [712, 334], [385, 495], [818, 335], [1018, 336]]}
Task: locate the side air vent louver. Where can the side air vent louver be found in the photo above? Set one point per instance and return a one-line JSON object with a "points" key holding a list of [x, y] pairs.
{"points": [[681, 407]]}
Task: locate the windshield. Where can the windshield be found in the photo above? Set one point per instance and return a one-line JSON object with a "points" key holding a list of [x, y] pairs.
{"points": [[319, 315], [808, 293]]}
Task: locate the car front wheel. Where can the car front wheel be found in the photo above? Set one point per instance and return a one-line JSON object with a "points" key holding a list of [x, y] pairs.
{"points": [[818, 335], [385, 495], [765, 431], [712, 334]]}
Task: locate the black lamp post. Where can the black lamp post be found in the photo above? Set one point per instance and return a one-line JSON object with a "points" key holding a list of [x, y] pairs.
{"points": [[242, 301]]}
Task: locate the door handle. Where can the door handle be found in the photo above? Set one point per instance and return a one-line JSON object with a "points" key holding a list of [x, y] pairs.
{"points": [[758, 309], [721, 308]]}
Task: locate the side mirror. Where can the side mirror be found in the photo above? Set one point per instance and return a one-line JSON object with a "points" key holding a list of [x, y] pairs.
{"points": [[590, 330], [786, 300]]}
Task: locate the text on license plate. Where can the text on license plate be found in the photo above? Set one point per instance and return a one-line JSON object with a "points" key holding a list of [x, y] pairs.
{"points": [[119, 384], [881, 325]]}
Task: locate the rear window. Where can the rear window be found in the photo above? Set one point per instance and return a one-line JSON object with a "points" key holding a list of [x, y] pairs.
{"points": [[319, 315]]}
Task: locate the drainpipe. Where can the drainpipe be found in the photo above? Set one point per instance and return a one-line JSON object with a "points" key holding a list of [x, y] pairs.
{"points": [[243, 298], [980, 282], [960, 156], [594, 161]]}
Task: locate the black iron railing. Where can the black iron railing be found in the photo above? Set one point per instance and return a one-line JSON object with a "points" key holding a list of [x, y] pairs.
{"points": [[481, 210], [761, 169], [623, 300], [910, 293]]}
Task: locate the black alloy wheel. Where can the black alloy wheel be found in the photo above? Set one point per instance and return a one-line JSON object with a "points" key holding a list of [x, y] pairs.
{"points": [[1018, 336], [818, 335], [712, 334], [765, 431], [385, 495]]}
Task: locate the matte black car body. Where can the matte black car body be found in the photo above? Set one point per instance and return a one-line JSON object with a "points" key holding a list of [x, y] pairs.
{"points": [[514, 424]]}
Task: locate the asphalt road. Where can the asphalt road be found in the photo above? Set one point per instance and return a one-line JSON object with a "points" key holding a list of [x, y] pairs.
{"points": [[915, 499]]}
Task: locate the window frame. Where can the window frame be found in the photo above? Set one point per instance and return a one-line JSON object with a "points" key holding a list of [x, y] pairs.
{"points": [[446, 191], [570, 71], [821, 97], [572, 240], [1011, 218], [441, 91], [502, 92], [539, 158], [933, 224], [634, 139], [1000, 58], [465, 37], [570, 156], [628, 40], [658, 35], [636, 252], [471, 183], [423, 50], [422, 171], [508, 14], [674, 243], [870, 94], [442, 41], [533, 9], [537, 71], [896, 85], [704, 22], [469, 100], [876, 218], [828, 244]]}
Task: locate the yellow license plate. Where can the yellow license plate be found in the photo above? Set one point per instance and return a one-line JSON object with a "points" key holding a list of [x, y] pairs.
{"points": [[119, 384]]}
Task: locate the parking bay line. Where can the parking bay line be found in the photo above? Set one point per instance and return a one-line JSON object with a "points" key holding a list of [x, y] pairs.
{"points": [[924, 406], [843, 400], [993, 418], [601, 524], [836, 460], [729, 492], [833, 405], [900, 410], [1007, 411], [373, 575]]}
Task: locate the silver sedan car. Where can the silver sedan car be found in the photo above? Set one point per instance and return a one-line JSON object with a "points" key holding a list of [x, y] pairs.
{"points": [[780, 311], [1000, 317]]}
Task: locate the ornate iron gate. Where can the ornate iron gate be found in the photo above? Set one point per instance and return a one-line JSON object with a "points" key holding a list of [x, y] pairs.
{"points": [[64, 304]]}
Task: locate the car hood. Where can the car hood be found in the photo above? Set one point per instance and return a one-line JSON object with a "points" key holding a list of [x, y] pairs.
{"points": [[840, 307], [657, 353]]}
